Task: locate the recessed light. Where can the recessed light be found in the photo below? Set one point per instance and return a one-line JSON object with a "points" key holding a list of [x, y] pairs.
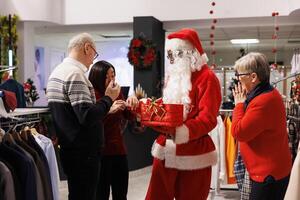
{"points": [[244, 41]]}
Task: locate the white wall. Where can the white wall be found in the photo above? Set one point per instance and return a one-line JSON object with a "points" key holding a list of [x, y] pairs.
{"points": [[34, 10]]}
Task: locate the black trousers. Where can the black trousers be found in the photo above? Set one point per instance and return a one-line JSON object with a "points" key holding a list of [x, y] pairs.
{"points": [[114, 175], [270, 189], [82, 173]]}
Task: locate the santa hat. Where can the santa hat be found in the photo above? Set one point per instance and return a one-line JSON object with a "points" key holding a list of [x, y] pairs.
{"points": [[187, 39]]}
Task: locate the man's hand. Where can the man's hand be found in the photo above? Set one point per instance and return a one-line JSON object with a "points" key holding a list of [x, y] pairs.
{"points": [[239, 94], [117, 105], [112, 90], [132, 102]]}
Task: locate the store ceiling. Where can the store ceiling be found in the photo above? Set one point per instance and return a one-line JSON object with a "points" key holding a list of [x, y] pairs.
{"points": [[226, 29]]}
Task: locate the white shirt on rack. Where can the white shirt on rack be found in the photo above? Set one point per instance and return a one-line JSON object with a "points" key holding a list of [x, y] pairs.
{"points": [[293, 192], [47, 146], [295, 63]]}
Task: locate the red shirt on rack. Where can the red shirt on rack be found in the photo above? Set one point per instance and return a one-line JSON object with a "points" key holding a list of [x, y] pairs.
{"points": [[262, 133]]}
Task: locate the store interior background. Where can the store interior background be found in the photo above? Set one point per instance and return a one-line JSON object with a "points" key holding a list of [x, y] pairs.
{"points": [[50, 24]]}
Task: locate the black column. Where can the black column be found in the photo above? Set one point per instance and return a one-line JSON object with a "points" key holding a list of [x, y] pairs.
{"points": [[150, 79], [139, 144]]}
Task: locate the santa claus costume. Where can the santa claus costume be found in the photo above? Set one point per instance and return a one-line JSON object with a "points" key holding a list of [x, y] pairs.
{"points": [[182, 163]]}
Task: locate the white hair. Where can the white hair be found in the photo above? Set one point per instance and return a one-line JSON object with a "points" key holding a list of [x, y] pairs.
{"points": [[78, 41]]}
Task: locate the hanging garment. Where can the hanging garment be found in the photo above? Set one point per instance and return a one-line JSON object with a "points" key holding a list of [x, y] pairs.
{"points": [[230, 152], [14, 86], [242, 177], [215, 136], [295, 63], [47, 146], [7, 190], [293, 192]]}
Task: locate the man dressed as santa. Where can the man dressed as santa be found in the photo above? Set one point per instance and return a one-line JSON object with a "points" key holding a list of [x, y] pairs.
{"points": [[182, 161]]}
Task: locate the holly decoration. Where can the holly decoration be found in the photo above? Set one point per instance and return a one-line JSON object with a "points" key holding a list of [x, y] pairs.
{"points": [[30, 92]]}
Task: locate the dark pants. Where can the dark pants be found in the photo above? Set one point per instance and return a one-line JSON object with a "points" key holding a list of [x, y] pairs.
{"points": [[270, 189], [114, 174], [82, 172]]}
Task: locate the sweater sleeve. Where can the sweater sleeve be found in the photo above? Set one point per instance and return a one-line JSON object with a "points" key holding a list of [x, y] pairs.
{"points": [[247, 125], [205, 120], [79, 95]]}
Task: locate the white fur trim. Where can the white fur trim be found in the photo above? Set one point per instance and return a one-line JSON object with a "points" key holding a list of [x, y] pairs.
{"points": [[204, 58], [178, 44], [170, 154], [182, 134], [182, 162], [195, 162], [158, 151]]}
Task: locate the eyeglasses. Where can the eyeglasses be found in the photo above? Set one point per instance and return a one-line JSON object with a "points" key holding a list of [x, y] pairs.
{"points": [[96, 53], [241, 74]]}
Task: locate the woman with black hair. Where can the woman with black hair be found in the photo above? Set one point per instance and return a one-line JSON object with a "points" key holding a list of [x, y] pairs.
{"points": [[114, 166]]}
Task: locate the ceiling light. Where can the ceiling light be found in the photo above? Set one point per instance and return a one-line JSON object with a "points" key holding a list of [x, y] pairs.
{"points": [[244, 41]]}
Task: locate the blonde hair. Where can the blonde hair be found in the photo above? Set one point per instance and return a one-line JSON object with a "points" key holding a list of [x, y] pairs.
{"points": [[254, 62], [77, 42]]}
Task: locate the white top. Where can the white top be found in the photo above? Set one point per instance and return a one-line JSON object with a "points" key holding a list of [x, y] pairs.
{"points": [[47, 146]]}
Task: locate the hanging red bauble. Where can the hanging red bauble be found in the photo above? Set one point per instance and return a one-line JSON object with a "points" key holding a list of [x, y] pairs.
{"points": [[213, 52], [212, 27], [273, 14], [274, 37], [211, 12], [274, 50], [213, 3], [274, 66], [277, 28], [211, 35], [277, 13], [214, 21], [212, 43]]}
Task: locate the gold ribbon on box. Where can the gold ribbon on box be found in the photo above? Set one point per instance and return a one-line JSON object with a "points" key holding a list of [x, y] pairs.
{"points": [[155, 108]]}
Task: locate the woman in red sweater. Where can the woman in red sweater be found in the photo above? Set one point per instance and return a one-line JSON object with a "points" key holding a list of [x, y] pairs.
{"points": [[114, 166], [259, 124]]}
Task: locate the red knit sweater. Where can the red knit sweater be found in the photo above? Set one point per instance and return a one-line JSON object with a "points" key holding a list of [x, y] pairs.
{"points": [[113, 136], [262, 133]]}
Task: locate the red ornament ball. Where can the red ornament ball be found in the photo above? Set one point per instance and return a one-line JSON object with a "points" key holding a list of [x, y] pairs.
{"points": [[213, 3], [215, 21], [274, 37], [212, 43], [277, 13], [211, 12], [277, 28], [273, 14], [213, 52], [274, 50], [212, 27], [211, 35]]}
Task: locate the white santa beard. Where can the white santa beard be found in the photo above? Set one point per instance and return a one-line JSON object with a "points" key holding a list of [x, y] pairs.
{"points": [[178, 84]]}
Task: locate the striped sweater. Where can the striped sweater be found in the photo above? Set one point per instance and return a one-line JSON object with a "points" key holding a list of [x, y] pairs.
{"points": [[74, 110]]}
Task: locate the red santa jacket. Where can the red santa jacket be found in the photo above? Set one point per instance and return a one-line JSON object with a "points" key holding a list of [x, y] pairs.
{"points": [[192, 147]]}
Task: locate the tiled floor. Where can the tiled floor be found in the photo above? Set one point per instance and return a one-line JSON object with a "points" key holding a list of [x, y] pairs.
{"points": [[138, 183]]}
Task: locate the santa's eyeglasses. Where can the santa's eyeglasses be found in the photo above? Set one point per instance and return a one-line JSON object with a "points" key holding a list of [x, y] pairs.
{"points": [[172, 54]]}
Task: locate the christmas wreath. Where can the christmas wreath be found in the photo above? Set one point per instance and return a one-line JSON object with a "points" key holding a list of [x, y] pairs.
{"points": [[141, 53]]}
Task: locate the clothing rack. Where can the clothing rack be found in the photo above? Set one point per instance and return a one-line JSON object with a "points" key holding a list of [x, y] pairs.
{"points": [[23, 116], [6, 68], [284, 78]]}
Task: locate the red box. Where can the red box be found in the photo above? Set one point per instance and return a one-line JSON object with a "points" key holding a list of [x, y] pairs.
{"points": [[154, 113]]}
